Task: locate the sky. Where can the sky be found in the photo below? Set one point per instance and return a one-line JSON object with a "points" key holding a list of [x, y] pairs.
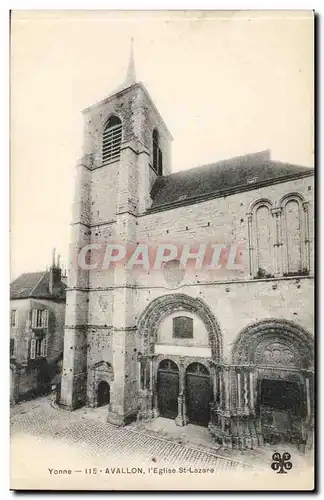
{"points": [[226, 83]]}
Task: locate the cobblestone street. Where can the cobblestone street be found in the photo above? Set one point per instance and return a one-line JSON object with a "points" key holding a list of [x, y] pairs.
{"points": [[54, 438], [41, 419]]}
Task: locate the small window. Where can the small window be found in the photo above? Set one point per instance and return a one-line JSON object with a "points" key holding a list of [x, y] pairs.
{"points": [[40, 318], [13, 318], [12, 347], [111, 140], [182, 327], [157, 154], [38, 347]]}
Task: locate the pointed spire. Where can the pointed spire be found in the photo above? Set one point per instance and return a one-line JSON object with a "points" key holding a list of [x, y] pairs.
{"points": [[53, 257], [131, 73], [58, 261]]}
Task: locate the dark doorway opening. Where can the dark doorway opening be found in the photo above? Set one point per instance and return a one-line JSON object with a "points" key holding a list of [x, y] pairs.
{"points": [[198, 394], [103, 393], [281, 407], [168, 389], [282, 395]]}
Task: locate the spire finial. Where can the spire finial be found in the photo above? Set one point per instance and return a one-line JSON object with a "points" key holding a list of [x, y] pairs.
{"points": [[53, 257], [131, 73]]}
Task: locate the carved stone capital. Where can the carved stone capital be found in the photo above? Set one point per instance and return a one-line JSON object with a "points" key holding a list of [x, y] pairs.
{"points": [[305, 206], [276, 211]]}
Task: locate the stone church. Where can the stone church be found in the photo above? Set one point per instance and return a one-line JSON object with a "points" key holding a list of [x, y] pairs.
{"points": [[229, 349]]}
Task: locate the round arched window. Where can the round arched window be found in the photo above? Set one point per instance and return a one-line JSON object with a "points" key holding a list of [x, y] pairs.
{"points": [[111, 140]]}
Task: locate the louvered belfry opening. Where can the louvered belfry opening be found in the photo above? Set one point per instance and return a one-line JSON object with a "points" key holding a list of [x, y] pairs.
{"points": [[111, 142], [157, 154]]}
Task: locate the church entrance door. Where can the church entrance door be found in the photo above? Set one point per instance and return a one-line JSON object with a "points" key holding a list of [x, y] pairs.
{"points": [[281, 410], [198, 394], [103, 393], [168, 389]]}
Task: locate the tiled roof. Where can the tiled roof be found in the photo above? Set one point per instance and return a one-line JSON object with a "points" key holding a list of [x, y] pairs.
{"points": [[35, 285], [240, 172]]}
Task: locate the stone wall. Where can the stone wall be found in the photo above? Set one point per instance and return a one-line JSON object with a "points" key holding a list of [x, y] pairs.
{"points": [[139, 117], [27, 377], [18, 333], [238, 304], [221, 221]]}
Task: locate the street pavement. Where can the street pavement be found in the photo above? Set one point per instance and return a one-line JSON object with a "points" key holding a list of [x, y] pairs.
{"points": [[94, 436], [55, 449]]}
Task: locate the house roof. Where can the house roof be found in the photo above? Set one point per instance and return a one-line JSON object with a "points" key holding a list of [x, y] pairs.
{"points": [[35, 285], [241, 173]]}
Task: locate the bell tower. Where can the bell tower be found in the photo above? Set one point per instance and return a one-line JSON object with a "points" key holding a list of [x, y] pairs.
{"points": [[126, 147]]}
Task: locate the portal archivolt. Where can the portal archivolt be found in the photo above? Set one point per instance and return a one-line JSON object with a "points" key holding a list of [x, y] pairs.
{"points": [[274, 342], [161, 307]]}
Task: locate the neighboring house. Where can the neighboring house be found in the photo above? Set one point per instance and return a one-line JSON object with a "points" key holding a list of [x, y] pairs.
{"points": [[231, 350], [37, 303]]}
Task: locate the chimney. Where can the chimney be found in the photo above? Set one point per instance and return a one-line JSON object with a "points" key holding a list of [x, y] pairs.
{"points": [[55, 276]]}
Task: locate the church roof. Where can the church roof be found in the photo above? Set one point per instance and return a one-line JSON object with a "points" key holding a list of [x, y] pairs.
{"points": [[222, 178], [35, 285]]}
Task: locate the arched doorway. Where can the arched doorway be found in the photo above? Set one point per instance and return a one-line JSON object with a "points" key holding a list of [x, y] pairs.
{"points": [[103, 393], [281, 408], [280, 354], [168, 388], [198, 394]]}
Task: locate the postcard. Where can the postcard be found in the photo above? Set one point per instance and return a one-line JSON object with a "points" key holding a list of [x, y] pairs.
{"points": [[162, 250]]}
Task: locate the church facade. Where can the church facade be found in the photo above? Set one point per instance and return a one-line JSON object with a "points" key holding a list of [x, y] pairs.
{"points": [[230, 348]]}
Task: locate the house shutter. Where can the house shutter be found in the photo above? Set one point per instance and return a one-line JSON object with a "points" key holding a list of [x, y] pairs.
{"points": [[34, 318], [13, 321], [44, 347], [45, 319], [32, 348]]}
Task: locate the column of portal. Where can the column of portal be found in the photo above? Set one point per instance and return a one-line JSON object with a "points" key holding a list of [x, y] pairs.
{"points": [[181, 418], [227, 388], [246, 392], [239, 395]]}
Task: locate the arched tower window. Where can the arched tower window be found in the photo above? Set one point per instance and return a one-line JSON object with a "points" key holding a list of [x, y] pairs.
{"points": [[111, 140], [157, 153]]}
